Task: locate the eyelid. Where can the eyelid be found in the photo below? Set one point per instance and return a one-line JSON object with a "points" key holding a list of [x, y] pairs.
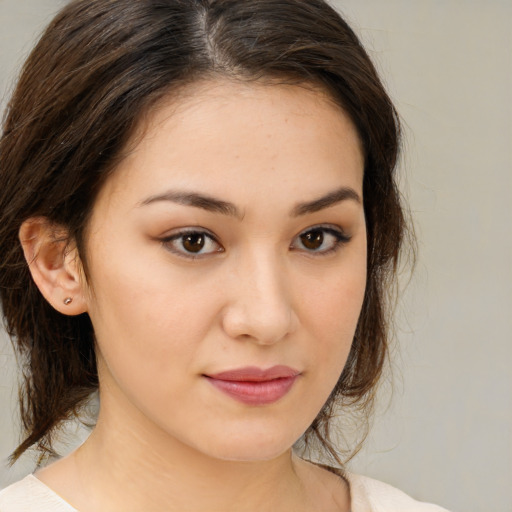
{"points": [[341, 238], [175, 233], [339, 233], [192, 230]]}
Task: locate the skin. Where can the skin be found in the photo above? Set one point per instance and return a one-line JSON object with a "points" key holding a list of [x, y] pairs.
{"points": [[256, 295]]}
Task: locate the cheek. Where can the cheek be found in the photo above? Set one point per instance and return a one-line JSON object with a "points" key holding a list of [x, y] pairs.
{"points": [[330, 317], [148, 331], [333, 312], [336, 296], [148, 316], [336, 316]]}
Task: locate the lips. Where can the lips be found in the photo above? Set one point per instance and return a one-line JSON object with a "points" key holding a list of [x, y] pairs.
{"points": [[255, 386]]}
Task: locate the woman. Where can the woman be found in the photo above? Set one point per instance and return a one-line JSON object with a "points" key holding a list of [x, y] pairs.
{"points": [[198, 218]]}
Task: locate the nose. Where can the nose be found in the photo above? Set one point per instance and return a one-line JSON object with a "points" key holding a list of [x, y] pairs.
{"points": [[259, 306]]}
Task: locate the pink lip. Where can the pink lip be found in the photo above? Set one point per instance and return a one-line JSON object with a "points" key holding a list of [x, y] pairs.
{"points": [[255, 386]]}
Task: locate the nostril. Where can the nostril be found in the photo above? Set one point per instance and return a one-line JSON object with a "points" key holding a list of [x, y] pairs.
{"points": [[259, 325]]}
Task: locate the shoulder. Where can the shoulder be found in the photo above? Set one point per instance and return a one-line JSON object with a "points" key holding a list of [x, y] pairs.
{"points": [[369, 495], [31, 495]]}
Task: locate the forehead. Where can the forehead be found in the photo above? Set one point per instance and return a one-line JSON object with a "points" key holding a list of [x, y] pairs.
{"points": [[224, 135]]}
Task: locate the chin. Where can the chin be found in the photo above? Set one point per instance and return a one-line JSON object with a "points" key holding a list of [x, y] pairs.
{"points": [[260, 446]]}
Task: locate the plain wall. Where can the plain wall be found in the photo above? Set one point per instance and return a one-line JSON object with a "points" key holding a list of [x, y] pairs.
{"points": [[446, 437]]}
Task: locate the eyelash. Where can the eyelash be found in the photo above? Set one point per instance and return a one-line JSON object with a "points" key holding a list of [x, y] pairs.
{"points": [[340, 239], [168, 241]]}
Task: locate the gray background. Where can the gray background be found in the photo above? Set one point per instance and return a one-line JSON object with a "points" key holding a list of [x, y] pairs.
{"points": [[446, 435]]}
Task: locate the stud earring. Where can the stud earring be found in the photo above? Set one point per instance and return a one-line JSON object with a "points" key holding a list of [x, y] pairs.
{"points": [[68, 301]]}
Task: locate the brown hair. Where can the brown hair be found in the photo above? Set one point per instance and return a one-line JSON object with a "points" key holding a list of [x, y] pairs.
{"points": [[97, 69]]}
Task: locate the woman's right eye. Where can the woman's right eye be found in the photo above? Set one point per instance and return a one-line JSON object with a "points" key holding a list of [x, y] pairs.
{"points": [[192, 244]]}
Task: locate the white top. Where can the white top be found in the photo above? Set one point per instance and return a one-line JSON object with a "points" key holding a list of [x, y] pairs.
{"points": [[31, 495], [367, 495]]}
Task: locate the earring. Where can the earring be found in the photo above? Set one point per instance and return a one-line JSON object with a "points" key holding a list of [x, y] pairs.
{"points": [[68, 301]]}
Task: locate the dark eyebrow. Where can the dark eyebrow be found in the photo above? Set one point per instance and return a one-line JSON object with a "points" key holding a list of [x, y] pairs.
{"points": [[198, 201], [214, 205], [330, 199]]}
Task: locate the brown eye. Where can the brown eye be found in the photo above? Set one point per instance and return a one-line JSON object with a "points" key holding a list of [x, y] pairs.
{"points": [[193, 242], [312, 240], [320, 240]]}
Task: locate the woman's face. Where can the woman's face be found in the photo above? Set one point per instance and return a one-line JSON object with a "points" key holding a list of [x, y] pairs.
{"points": [[229, 242]]}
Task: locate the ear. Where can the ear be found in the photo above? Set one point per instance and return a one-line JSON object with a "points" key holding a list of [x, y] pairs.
{"points": [[54, 264]]}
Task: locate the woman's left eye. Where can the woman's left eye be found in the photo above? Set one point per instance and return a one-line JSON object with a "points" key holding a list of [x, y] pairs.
{"points": [[192, 244], [320, 240]]}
